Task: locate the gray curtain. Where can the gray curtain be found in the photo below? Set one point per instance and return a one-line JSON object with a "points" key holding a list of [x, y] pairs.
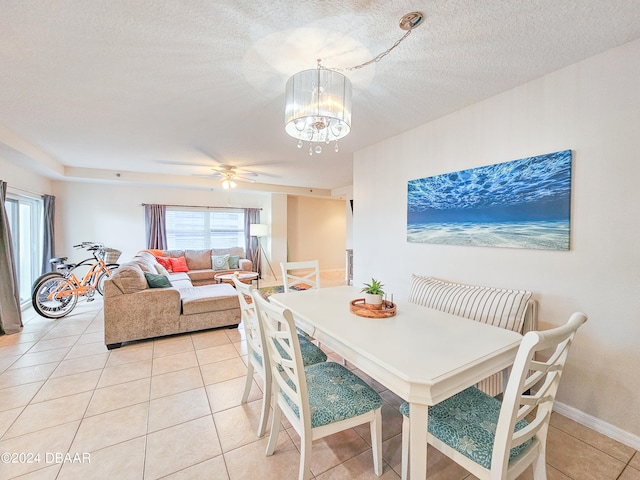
{"points": [[48, 241], [251, 215], [156, 226], [10, 314]]}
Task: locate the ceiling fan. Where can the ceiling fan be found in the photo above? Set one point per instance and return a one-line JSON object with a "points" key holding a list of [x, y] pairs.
{"points": [[229, 173], [226, 172]]}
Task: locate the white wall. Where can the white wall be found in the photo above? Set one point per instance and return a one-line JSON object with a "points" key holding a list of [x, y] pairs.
{"points": [[317, 230], [23, 179], [114, 215], [592, 108]]}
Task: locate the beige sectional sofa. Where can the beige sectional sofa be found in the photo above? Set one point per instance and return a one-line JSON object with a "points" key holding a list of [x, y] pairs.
{"points": [[135, 311], [201, 270]]}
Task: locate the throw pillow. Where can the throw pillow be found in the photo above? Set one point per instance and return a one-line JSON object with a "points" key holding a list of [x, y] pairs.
{"points": [[165, 262], [220, 262], [161, 270], [179, 264], [156, 280], [234, 262]]}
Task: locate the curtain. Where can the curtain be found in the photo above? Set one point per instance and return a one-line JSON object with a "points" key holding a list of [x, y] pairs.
{"points": [[156, 227], [10, 314], [251, 215], [48, 241]]}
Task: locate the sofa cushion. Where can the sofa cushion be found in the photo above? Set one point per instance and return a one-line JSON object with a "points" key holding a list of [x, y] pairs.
{"points": [[156, 280], [145, 264], [234, 262], [179, 264], [146, 256], [198, 259], [129, 278], [173, 253], [165, 262], [201, 275], [208, 298], [495, 306], [180, 280], [228, 251], [220, 262], [161, 270]]}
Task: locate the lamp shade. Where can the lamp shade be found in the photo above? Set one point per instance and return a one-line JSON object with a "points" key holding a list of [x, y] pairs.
{"points": [[318, 105], [258, 230]]}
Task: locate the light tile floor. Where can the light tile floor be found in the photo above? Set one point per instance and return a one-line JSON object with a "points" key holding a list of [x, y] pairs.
{"points": [[170, 408]]}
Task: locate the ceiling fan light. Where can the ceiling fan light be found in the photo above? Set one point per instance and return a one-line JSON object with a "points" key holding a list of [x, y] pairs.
{"points": [[227, 183]]}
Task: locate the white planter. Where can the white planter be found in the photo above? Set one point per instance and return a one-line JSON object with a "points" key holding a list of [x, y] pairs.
{"points": [[372, 299]]}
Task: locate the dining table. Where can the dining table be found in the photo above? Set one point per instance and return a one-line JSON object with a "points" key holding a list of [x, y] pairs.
{"points": [[422, 355]]}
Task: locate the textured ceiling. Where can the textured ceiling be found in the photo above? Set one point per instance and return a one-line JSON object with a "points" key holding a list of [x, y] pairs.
{"points": [[142, 86]]}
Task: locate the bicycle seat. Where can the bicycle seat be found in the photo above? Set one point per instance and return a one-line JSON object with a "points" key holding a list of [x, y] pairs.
{"points": [[65, 266], [58, 260]]}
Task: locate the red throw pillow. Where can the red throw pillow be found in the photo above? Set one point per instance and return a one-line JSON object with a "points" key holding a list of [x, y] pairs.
{"points": [[179, 264], [165, 262]]}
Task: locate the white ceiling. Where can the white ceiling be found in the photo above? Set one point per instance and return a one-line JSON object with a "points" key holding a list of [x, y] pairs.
{"points": [[140, 86]]}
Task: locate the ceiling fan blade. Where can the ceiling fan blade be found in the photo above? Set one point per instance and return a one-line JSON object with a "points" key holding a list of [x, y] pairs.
{"points": [[244, 179], [209, 175], [184, 164]]}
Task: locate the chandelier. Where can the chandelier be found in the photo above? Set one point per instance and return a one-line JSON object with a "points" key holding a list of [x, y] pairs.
{"points": [[318, 101], [318, 107]]}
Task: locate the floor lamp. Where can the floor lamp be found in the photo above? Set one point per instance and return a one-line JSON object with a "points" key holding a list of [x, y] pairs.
{"points": [[260, 230]]}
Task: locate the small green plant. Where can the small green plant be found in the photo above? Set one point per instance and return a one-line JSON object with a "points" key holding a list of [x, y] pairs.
{"points": [[373, 288]]}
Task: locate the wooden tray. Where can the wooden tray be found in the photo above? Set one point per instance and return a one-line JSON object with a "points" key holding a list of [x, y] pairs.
{"points": [[386, 310]]}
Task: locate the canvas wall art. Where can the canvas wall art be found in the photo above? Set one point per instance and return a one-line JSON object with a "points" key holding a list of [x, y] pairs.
{"points": [[519, 204]]}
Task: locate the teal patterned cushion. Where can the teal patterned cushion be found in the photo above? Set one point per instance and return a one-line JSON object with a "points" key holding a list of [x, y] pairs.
{"points": [[467, 422], [310, 352], [336, 394]]}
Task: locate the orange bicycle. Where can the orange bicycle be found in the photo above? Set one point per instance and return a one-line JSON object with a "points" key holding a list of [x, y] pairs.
{"points": [[55, 294]]}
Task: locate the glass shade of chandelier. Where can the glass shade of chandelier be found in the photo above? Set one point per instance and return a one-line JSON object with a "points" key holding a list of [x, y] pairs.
{"points": [[318, 108]]}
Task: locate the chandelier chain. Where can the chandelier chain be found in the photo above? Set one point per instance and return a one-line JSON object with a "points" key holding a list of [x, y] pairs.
{"points": [[375, 59]]}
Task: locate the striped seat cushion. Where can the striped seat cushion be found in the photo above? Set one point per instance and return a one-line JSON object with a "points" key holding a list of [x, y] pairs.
{"points": [[495, 306]]}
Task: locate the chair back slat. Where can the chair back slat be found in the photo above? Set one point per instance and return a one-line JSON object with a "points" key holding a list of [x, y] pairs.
{"points": [[545, 373], [253, 334], [285, 358], [297, 273]]}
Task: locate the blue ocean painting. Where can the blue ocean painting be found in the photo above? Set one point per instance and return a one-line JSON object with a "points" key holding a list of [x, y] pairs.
{"points": [[520, 204]]}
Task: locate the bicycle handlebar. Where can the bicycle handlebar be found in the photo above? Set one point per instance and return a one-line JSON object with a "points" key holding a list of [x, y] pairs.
{"points": [[89, 245]]}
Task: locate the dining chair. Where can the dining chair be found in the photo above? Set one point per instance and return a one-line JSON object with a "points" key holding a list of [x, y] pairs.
{"points": [[293, 277], [492, 439], [255, 353], [318, 400]]}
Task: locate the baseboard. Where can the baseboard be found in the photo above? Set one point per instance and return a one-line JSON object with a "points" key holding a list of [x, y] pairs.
{"points": [[598, 425]]}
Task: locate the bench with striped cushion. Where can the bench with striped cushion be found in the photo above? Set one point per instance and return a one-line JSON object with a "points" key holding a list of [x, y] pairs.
{"points": [[500, 307]]}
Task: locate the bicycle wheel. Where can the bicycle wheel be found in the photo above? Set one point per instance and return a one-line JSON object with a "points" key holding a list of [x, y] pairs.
{"points": [[103, 276], [57, 306], [42, 277]]}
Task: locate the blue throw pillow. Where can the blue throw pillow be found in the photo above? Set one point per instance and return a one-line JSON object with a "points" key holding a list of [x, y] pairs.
{"points": [[156, 281]]}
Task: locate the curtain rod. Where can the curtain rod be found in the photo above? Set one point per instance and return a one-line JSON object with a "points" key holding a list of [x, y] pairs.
{"points": [[11, 187], [199, 206]]}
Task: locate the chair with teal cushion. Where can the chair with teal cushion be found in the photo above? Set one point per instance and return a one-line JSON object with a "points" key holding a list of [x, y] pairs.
{"points": [[317, 400], [492, 439], [310, 353]]}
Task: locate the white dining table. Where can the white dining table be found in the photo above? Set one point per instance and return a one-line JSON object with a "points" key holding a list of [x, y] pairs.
{"points": [[422, 355]]}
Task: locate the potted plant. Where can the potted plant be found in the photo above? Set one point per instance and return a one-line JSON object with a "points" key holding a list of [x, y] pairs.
{"points": [[373, 292]]}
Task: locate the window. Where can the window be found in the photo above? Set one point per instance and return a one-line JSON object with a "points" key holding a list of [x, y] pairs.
{"points": [[25, 222], [204, 228]]}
